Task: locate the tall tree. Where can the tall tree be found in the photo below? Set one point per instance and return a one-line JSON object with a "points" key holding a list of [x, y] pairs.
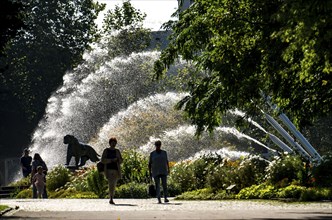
{"points": [[282, 48], [124, 26], [11, 21], [11, 15], [53, 41]]}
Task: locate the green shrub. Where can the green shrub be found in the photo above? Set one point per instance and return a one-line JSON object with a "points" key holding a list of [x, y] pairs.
{"points": [[284, 170], [83, 195], [20, 185], [205, 194], [22, 182], [57, 178], [251, 171], [132, 190], [223, 194], [322, 174], [223, 175], [262, 191], [79, 180], [200, 170], [199, 194], [295, 192], [291, 191], [3, 207], [182, 175], [173, 188], [316, 194], [97, 183], [192, 175], [248, 193], [134, 167], [71, 193], [267, 192], [218, 173], [61, 193], [24, 194]]}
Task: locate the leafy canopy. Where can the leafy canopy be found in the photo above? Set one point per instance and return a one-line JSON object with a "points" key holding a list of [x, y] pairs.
{"points": [[123, 17], [282, 48], [54, 37], [124, 28]]}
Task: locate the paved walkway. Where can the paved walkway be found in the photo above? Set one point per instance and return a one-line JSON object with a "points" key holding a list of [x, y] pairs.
{"points": [[149, 209]]}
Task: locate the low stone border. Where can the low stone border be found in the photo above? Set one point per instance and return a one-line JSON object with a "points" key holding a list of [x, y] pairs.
{"points": [[5, 211]]}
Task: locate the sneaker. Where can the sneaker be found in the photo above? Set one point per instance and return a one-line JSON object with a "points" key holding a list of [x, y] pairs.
{"points": [[166, 200]]}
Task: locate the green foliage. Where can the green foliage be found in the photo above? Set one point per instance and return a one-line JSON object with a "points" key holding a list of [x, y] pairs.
{"points": [[3, 207], [131, 36], [199, 194], [11, 20], [71, 193], [192, 175], [21, 186], [205, 194], [294, 192], [200, 170], [57, 178], [134, 167], [319, 135], [132, 190], [246, 46], [218, 173], [251, 171], [316, 194], [24, 194], [123, 17], [127, 42], [222, 175], [182, 174], [283, 170], [322, 174], [173, 188], [291, 191], [262, 191], [97, 183], [223, 194], [79, 180], [54, 37], [183, 183], [22, 182]]}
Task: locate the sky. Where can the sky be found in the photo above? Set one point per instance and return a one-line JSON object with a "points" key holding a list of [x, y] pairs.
{"points": [[158, 11]]}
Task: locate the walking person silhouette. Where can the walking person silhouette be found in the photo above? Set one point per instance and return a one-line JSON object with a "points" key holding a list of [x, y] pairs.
{"points": [[159, 169]]}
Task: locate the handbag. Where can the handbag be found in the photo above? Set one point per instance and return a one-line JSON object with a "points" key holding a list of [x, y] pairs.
{"points": [[152, 190], [100, 167]]}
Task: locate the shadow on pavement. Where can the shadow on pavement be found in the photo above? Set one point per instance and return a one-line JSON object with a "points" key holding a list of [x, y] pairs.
{"points": [[125, 205], [172, 203]]}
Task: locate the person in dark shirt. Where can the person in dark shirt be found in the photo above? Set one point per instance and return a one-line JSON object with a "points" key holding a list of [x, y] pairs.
{"points": [[26, 163], [112, 159]]}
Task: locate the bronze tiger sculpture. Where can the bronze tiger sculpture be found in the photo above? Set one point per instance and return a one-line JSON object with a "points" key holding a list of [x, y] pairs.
{"points": [[81, 152]]}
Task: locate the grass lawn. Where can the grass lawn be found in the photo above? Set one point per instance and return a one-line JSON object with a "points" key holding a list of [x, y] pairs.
{"points": [[3, 207]]}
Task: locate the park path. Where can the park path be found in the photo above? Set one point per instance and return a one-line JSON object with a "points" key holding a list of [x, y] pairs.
{"points": [[176, 209]]}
